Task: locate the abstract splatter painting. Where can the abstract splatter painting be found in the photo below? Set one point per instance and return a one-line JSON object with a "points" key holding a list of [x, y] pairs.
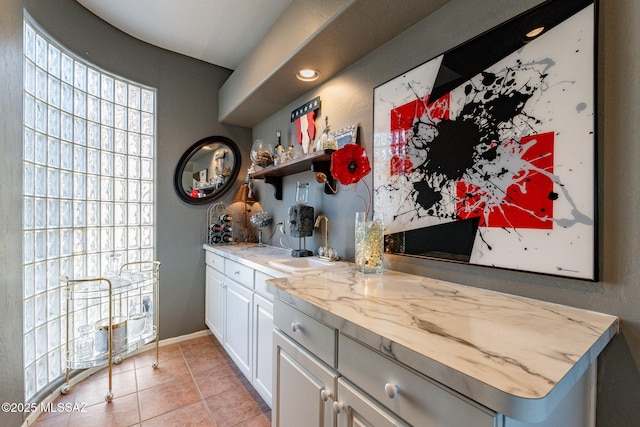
{"points": [[486, 153]]}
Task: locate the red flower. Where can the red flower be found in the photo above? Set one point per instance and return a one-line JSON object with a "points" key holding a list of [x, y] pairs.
{"points": [[350, 164]]}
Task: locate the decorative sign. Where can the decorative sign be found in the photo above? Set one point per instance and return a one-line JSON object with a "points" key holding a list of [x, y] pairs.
{"points": [[486, 153], [304, 118]]}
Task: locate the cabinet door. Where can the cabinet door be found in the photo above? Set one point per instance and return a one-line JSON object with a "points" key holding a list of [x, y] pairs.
{"points": [[355, 409], [262, 346], [304, 387], [237, 339], [214, 302]]}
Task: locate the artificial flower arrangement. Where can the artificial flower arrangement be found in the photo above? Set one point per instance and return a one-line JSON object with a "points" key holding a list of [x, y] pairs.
{"points": [[349, 165]]}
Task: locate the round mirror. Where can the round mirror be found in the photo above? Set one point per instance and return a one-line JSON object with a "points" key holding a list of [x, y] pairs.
{"points": [[207, 170]]}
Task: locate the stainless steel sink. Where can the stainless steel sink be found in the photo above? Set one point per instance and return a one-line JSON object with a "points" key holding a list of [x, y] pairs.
{"points": [[305, 264]]}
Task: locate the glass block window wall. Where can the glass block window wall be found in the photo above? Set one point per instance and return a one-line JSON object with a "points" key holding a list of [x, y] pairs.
{"points": [[88, 188]]}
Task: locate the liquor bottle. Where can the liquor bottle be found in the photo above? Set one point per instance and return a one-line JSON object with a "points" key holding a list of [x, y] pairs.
{"points": [[227, 229], [216, 238], [226, 218], [226, 238], [216, 228]]}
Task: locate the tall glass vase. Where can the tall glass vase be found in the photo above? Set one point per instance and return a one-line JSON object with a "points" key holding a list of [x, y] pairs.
{"points": [[369, 243]]}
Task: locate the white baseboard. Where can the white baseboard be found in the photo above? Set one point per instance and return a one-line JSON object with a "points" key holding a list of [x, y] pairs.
{"points": [[33, 416]]}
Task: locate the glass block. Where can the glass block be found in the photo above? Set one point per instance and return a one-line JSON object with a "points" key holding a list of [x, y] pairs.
{"points": [[41, 52], [120, 117], [146, 255], [134, 190], [42, 373], [106, 239], [134, 97], [93, 187], [66, 98], [79, 213], [28, 250], [79, 131], [41, 180], [53, 118], [121, 96], [41, 149], [120, 166], [79, 159], [29, 314], [134, 120], [93, 161], [29, 42], [41, 84], [120, 214], [79, 186], [66, 155], [79, 241], [40, 249], [80, 75], [106, 189], [29, 82], [53, 275], [120, 190], [134, 144], [106, 214], [53, 311], [53, 213], [65, 270], [106, 138], [107, 87], [79, 266], [66, 242], [30, 347], [93, 214], [28, 213], [30, 382], [93, 244], [120, 238], [53, 244], [146, 214], [133, 214], [66, 127], [41, 213], [106, 163], [41, 310], [133, 255], [120, 141], [80, 103], [146, 168], [93, 264], [54, 61], [147, 237], [29, 111], [66, 208], [53, 182], [53, 152], [148, 101], [66, 69], [106, 113], [133, 238], [41, 116], [53, 91], [28, 179], [66, 185], [93, 135], [146, 146], [93, 109], [55, 364], [133, 167], [146, 191], [93, 82], [28, 145]]}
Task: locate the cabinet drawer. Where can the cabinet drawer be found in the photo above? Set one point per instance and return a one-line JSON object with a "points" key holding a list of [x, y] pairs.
{"points": [[319, 338], [238, 272], [261, 286], [417, 399], [214, 260]]}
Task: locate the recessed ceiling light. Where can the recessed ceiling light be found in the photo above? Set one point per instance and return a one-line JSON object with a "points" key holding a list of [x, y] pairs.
{"points": [[308, 74], [534, 33]]}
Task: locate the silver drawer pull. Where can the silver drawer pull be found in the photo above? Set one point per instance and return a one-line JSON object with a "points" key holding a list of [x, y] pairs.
{"points": [[338, 407], [391, 390], [237, 272], [295, 327]]}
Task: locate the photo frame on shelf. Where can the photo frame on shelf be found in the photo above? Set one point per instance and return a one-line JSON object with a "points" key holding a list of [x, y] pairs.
{"points": [[486, 154], [346, 135]]}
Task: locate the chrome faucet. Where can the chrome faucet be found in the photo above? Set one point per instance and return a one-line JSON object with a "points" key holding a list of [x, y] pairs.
{"points": [[326, 252]]}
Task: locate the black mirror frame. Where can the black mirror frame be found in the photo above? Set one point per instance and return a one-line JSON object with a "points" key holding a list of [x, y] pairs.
{"points": [[182, 163]]}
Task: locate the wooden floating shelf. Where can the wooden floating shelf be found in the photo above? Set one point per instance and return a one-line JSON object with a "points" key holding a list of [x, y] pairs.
{"points": [[319, 161]]}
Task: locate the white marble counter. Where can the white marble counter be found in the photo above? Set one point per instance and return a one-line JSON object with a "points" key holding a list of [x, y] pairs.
{"points": [[516, 355]]}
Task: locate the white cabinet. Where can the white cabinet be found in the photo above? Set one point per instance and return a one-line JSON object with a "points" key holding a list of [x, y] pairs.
{"points": [[214, 302], [304, 387], [239, 312], [356, 409], [237, 336]]}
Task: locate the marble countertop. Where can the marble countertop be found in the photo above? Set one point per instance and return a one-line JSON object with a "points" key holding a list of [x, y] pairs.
{"points": [[513, 354]]}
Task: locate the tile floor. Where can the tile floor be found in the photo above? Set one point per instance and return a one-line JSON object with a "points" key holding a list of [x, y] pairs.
{"points": [[195, 384]]}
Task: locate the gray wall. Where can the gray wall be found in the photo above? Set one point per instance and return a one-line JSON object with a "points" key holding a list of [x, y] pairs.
{"points": [[347, 99], [187, 111]]}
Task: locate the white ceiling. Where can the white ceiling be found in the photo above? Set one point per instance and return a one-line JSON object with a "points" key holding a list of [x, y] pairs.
{"points": [[221, 32]]}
